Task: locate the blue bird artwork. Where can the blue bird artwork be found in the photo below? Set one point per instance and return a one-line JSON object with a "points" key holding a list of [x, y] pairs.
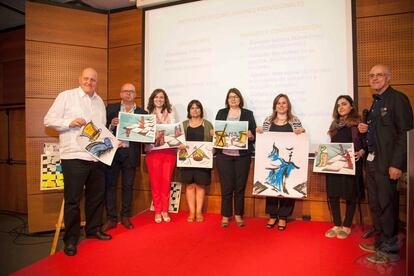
{"points": [[98, 148], [280, 170]]}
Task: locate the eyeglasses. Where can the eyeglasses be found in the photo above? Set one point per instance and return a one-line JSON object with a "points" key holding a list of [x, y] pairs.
{"points": [[128, 91], [233, 97], [377, 75]]}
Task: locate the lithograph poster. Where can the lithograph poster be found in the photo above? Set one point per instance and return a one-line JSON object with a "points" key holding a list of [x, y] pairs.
{"points": [[337, 158], [98, 141], [281, 164], [196, 155], [136, 127], [168, 136], [231, 134]]}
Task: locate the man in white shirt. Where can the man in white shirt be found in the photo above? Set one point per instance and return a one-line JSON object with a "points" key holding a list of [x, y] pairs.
{"points": [[71, 110]]}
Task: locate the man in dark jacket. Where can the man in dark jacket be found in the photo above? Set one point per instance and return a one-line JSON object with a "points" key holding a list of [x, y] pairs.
{"points": [[127, 158], [389, 119]]}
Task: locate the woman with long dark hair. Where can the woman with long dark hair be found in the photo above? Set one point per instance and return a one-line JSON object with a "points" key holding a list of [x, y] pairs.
{"points": [[344, 129]]}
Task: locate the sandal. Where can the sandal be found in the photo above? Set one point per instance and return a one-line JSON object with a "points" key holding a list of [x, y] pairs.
{"points": [[282, 227], [199, 217], [239, 221], [224, 222], [191, 218], [271, 225]]}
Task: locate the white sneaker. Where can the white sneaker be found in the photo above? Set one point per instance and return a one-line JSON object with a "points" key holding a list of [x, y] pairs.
{"points": [[333, 232], [343, 233]]}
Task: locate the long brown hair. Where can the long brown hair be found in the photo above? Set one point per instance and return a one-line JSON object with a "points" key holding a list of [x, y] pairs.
{"points": [[166, 105], [289, 111], [352, 119], [238, 93]]}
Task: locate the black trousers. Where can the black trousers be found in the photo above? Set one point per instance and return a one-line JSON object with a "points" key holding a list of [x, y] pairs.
{"points": [[233, 172], [336, 211], [279, 207], [120, 163], [382, 202], [79, 175]]}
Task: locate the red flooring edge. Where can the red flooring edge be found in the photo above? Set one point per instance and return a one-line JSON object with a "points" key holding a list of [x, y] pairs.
{"points": [[182, 248]]}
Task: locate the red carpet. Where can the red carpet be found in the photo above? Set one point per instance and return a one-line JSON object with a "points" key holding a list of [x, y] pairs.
{"points": [[181, 248]]}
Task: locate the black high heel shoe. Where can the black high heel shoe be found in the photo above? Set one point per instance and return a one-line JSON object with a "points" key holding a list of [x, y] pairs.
{"points": [[271, 225]]}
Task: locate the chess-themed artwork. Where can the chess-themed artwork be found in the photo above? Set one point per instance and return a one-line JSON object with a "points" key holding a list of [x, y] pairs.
{"points": [[98, 141], [230, 134], [196, 155], [337, 158], [175, 196], [136, 127], [281, 164], [168, 136], [51, 176]]}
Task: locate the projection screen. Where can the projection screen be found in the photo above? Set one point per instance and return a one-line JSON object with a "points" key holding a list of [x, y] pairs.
{"points": [[198, 50]]}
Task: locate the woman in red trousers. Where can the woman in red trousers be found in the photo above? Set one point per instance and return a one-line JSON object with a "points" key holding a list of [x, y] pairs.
{"points": [[160, 163]]}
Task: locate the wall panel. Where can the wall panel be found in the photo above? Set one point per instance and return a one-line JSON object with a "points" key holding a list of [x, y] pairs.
{"points": [[365, 8], [124, 66], [12, 120], [55, 24], [53, 68], [125, 28], [388, 40]]}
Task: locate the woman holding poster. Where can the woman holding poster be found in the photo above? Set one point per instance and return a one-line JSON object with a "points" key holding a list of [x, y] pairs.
{"points": [[160, 163], [196, 179], [233, 165], [281, 120], [344, 129]]}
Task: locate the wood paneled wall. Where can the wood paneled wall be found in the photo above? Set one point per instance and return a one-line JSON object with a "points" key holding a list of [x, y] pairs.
{"points": [[385, 34], [12, 122], [60, 42]]}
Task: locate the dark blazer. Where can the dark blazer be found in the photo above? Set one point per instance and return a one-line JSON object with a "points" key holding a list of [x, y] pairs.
{"points": [[390, 135], [246, 115], [134, 149]]}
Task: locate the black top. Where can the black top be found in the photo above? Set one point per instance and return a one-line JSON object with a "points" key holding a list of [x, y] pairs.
{"points": [[390, 130], [195, 133], [348, 187], [284, 128]]}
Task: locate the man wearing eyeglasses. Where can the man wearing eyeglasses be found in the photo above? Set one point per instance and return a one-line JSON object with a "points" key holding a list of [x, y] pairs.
{"points": [[126, 159], [388, 121]]}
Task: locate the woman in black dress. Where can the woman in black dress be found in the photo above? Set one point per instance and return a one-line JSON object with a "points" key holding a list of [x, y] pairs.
{"points": [[234, 165], [344, 129], [281, 120], [196, 179]]}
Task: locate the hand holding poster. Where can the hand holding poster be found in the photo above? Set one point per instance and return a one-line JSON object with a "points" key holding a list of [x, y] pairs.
{"points": [[98, 141], [337, 158], [281, 164], [136, 127], [168, 136], [231, 134]]}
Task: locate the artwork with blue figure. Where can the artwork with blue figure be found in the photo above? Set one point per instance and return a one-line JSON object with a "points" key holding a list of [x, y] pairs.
{"points": [[281, 171], [281, 164], [98, 141], [99, 148]]}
